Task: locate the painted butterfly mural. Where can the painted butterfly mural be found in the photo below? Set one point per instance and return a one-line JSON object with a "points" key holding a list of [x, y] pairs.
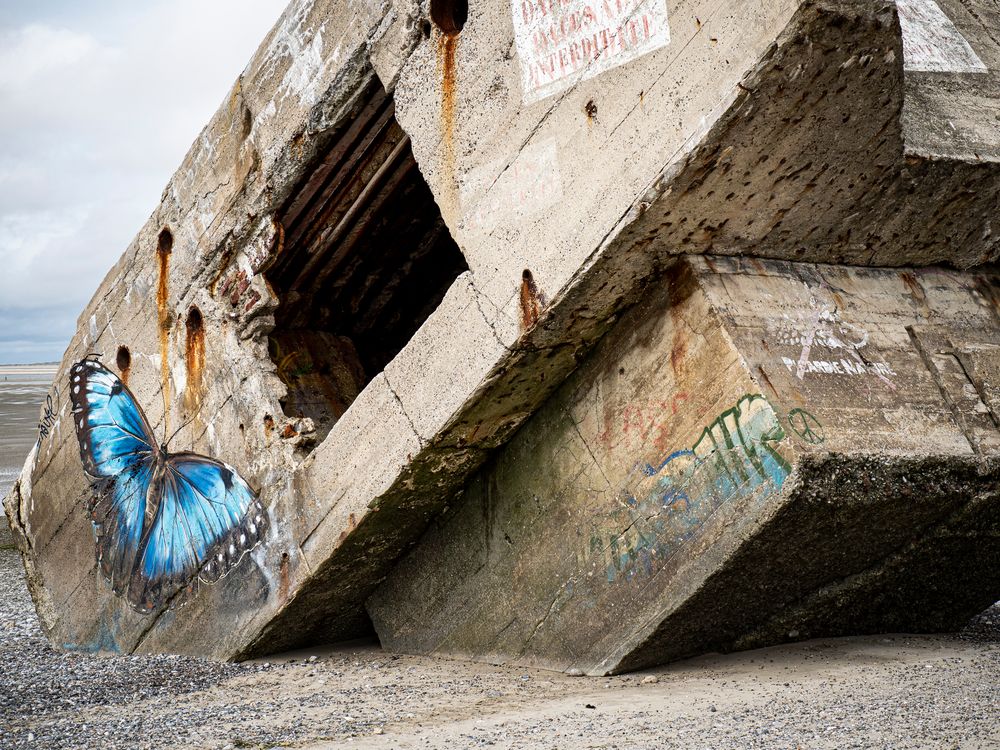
{"points": [[163, 521]]}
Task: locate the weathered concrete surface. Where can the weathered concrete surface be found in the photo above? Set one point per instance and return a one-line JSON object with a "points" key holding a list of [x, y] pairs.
{"points": [[759, 451], [556, 192]]}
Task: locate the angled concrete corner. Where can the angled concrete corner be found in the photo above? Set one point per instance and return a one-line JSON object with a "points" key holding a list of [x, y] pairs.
{"points": [[759, 451]]}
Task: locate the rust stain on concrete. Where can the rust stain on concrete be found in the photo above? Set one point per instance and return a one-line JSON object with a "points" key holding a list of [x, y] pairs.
{"points": [[165, 246], [283, 578], [532, 301], [194, 357], [447, 44]]}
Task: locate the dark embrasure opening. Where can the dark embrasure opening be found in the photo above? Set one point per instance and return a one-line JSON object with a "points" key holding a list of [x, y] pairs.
{"points": [[366, 259]]}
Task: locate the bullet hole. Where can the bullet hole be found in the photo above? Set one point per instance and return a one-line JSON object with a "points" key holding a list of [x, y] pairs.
{"points": [[195, 323], [165, 242], [450, 15], [591, 109], [425, 28], [242, 428], [247, 123], [123, 359], [284, 555], [621, 370]]}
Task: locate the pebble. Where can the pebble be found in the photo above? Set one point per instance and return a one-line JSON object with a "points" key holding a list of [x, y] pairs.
{"points": [[650, 679]]}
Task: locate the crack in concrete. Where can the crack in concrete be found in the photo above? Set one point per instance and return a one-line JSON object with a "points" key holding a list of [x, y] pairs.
{"points": [[420, 440], [478, 296], [670, 63], [548, 613]]}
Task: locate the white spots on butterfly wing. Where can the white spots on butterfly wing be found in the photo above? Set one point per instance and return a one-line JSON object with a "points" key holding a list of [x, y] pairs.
{"points": [[232, 549], [243, 539]]}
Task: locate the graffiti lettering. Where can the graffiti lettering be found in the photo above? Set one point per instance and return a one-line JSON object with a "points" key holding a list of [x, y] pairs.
{"points": [[642, 421], [823, 329], [837, 367], [561, 42], [49, 416], [665, 503]]}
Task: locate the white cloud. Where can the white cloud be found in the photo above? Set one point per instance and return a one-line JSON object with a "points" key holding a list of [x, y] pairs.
{"points": [[29, 54], [97, 109]]}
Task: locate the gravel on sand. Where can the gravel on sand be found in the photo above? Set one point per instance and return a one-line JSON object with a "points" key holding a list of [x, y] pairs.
{"points": [[873, 692]]}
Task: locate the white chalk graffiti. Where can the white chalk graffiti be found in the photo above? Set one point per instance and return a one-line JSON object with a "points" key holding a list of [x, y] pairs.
{"points": [[823, 329]]}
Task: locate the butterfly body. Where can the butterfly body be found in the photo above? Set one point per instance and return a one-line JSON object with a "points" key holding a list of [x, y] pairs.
{"points": [[163, 521]]}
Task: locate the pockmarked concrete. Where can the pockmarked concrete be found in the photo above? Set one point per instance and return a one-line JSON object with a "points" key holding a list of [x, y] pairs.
{"points": [[405, 228]]}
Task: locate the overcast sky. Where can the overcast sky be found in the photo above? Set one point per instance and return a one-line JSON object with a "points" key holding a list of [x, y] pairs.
{"points": [[99, 102]]}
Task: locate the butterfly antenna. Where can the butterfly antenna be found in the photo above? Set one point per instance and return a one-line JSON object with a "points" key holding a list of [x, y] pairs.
{"points": [[186, 423]]}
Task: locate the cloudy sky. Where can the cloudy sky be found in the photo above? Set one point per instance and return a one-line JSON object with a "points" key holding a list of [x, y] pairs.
{"points": [[99, 102]]}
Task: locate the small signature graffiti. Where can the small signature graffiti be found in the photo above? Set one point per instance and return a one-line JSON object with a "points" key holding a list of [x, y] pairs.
{"points": [[50, 415], [806, 426]]}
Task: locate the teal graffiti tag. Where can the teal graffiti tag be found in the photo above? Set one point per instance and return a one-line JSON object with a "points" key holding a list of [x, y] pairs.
{"points": [[666, 503]]}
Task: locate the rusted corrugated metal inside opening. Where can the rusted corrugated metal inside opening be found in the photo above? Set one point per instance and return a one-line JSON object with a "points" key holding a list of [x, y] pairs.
{"points": [[366, 259]]}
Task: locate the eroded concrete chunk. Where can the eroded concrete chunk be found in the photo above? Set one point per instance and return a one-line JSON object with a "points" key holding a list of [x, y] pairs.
{"points": [[758, 451]]}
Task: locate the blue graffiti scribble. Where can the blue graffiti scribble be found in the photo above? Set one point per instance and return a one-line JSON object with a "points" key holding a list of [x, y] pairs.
{"points": [[664, 504]]}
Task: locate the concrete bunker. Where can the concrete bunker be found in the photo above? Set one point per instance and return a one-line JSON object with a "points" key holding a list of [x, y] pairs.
{"points": [[303, 234], [366, 259]]}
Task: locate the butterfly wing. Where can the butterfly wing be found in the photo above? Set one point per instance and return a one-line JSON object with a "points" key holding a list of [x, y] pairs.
{"points": [[116, 447], [111, 428], [208, 518]]}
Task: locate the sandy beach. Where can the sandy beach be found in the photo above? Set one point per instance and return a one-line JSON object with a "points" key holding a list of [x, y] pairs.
{"points": [[889, 691]]}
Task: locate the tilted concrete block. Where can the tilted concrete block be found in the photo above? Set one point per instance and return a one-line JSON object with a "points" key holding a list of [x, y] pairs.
{"points": [[758, 452], [395, 239]]}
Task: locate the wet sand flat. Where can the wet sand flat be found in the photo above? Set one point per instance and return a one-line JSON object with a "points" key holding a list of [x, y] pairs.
{"points": [[23, 389]]}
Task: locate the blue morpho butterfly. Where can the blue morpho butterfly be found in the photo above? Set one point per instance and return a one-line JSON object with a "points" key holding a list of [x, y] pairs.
{"points": [[163, 520]]}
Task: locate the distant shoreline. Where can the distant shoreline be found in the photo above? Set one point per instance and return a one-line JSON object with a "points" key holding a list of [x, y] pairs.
{"points": [[44, 368]]}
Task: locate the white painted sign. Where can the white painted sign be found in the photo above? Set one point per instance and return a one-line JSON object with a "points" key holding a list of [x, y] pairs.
{"points": [[931, 42], [562, 42]]}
